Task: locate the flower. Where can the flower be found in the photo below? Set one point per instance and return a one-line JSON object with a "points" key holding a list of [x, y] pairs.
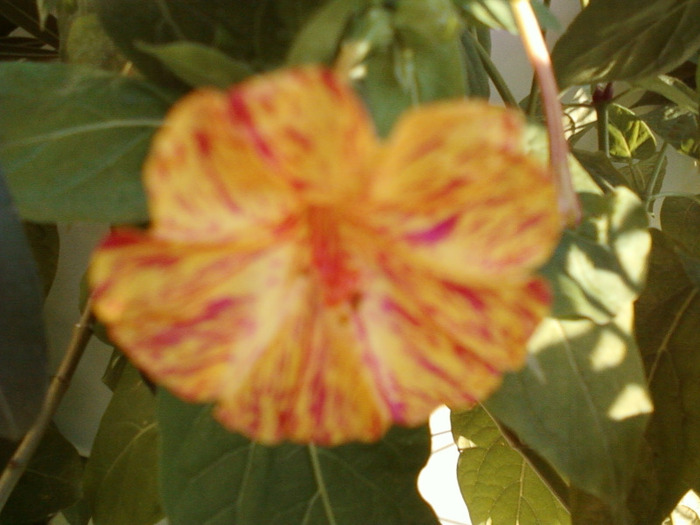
{"points": [[316, 283]]}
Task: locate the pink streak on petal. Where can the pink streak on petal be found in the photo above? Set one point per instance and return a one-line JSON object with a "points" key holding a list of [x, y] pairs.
{"points": [[203, 143], [472, 297], [330, 80], [241, 115], [434, 234]]}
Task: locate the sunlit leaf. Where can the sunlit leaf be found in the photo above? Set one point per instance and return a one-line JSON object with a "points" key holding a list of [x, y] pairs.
{"points": [[199, 65], [81, 160], [668, 316], [23, 360], [52, 481], [581, 402], [630, 137], [212, 476], [497, 14], [673, 89], [600, 267], [121, 476], [497, 483], [626, 40], [678, 126]]}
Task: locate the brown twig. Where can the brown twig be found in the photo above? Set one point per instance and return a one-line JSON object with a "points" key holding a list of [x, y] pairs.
{"points": [[537, 53], [82, 332]]}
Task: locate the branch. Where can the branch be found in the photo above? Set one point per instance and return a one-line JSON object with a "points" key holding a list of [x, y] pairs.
{"points": [[538, 55], [59, 384]]}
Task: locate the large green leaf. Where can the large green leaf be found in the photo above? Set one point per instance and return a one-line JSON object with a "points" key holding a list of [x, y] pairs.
{"points": [[680, 221], [215, 477], [121, 476], [668, 317], [626, 40], [581, 403], [600, 266], [497, 483], [23, 360], [72, 140], [51, 482]]}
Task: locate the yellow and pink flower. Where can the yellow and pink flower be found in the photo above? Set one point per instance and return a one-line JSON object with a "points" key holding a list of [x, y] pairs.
{"points": [[319, 284]]}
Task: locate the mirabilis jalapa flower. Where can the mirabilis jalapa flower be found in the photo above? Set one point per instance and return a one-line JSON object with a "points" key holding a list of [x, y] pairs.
{"points": [[319, 284]]}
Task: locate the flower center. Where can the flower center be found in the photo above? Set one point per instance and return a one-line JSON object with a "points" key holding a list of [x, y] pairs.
{"points": [[330, 260]]}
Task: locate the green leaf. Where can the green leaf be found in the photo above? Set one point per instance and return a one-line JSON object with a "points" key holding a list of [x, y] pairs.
{"points": [[497, 483], [630, 136], [497, 14], [198, 65], [678, 126], [425, 61], [85, 42], [121, 476], [668, 316], [477, 76], [23, 360], [44, 242], [680, 221], [51, 482], [319, 39], [673, 89], [81, 160], [249, 31], [600, 168], [639, 174], [626, 40], [215, 477], [600, 266], [581, 403]]}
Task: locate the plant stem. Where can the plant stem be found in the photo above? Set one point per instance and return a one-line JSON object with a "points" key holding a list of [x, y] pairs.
{"points": [[601, 111], [536, 50], [494, 74], [82, 332]]}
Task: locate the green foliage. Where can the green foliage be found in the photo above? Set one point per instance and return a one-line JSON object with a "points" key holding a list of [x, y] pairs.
{"points": [[668, 316], [23, 360], [51, 482], [677, 126], [121, 476], [581, 402], [626, 40], [630, 137], [212, 476], [497, 482], [52, 175], [198, 65]]}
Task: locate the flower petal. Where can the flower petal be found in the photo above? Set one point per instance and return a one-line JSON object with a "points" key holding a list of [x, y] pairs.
{"points": [[310, 127], [193, 318], [206, 182], [457, 191]]}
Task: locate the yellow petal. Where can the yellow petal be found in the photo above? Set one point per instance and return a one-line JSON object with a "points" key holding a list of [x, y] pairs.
{"points": [[310, 127], [206, 181], [192, 317], [458, 195]]}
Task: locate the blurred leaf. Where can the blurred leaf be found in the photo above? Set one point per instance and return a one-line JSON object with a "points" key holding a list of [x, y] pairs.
{"points": [[51, 482], [121, 476], [668, 316], [23, 360], [318, 40], [581, 403], [85, 42], [673, 89], [198, 65], [680, 221], [425, 62], [82, 159], [630, 136], [45, 8], [477, 77], [678, 126], [497, 483], [600, 266], [626, 40], [249, 31], [682, 515], [497, 14], [212, 476], [638, 174], [601, 168], [24, 14], [44, 242]]}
